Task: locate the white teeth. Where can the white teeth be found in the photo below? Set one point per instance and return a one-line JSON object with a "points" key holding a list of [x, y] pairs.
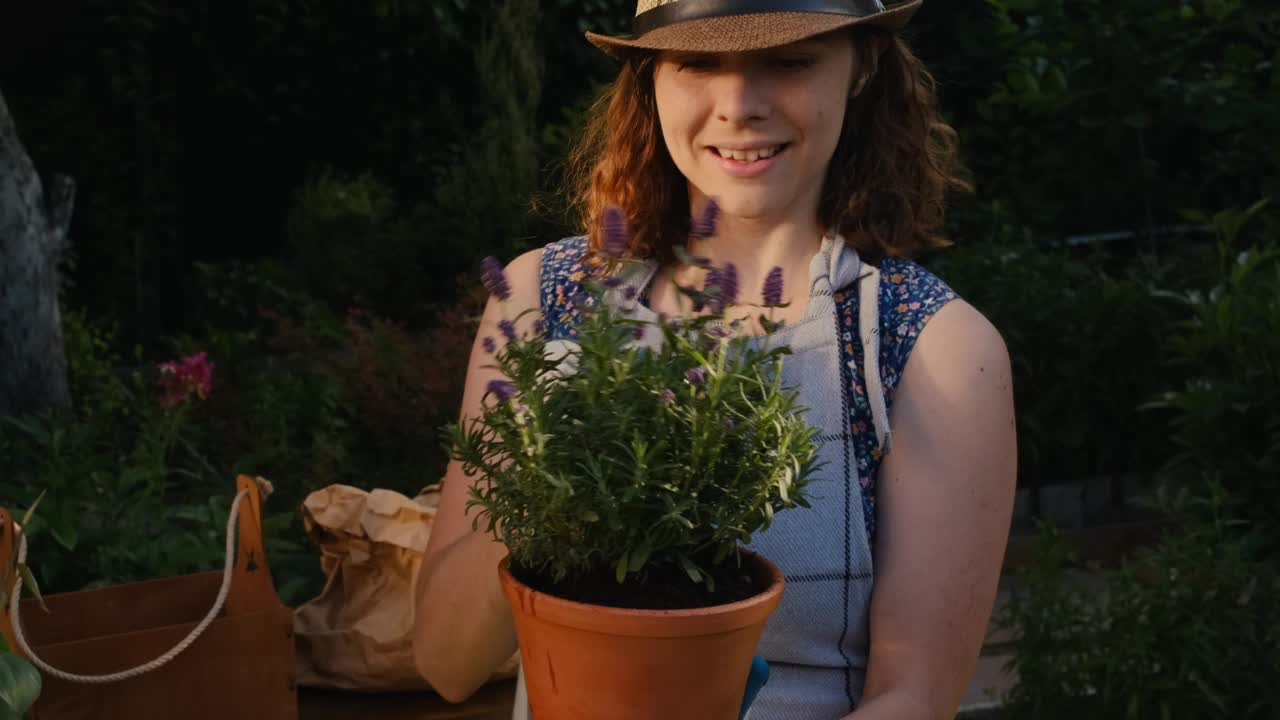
{"points": [[749, 156]]}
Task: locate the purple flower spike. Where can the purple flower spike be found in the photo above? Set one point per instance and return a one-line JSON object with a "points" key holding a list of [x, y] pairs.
{"points": [[629, 293], [728, 424], [539, 327], [616, 236], [611, 282], [638, 332], [773, 287], [728, 279], [508, 329], [705, 224], [494, 278], [504, 390], [668, 396], [696, 377], [710, 294], [490, 346]]}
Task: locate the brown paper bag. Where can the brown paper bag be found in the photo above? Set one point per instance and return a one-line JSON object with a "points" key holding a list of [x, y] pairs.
{"points": [[358, 633]]}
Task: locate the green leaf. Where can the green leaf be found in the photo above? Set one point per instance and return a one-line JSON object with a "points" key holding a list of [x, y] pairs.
{"points": [[640, 555], [67, 536], [26, 517], [620, 572], [20, 684], [29, 580], [7, 713], [690, 569]]}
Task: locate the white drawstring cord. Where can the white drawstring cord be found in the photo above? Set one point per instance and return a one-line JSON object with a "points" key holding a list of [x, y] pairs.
{"points": [[191, 637], [869, 327]]}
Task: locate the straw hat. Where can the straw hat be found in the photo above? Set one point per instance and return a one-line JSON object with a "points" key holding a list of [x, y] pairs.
{"points": [[740, 25]]}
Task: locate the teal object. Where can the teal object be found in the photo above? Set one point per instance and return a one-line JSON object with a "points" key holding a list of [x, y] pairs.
{"points": [[756, 679]]}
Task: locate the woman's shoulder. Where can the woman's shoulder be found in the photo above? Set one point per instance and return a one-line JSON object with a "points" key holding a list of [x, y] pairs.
{"points": [[563, 269], [905, 281], [559, 259], [565, 261], [566, 249], [909, 297]]}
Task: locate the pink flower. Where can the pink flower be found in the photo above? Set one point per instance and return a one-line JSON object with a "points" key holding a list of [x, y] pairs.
{"points": [[184, 376]]}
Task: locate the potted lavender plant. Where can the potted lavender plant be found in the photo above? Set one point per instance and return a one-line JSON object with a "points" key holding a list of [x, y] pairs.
{"points": [[624, 477]]}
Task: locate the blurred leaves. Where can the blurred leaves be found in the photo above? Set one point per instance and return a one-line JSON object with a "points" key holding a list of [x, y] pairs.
{"points": [[1189, 628], [1115, 115], [20, 685]]}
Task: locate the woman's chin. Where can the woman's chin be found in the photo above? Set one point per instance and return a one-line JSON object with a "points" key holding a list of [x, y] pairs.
{"points": [[748, 207]]}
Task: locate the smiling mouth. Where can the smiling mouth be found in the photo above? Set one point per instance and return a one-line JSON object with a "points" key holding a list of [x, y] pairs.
{"points": [[750, 156]]}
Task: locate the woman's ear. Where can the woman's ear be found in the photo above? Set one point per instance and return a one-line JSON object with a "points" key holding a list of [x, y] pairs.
{"points": [[867, 49], [861, 84]]}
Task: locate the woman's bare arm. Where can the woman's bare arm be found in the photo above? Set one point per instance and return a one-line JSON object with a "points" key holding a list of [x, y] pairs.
{"points": [[463, 628], [945, 504]]}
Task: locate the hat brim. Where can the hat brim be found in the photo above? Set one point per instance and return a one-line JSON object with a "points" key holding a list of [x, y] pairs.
{"points": [[742, 33]]}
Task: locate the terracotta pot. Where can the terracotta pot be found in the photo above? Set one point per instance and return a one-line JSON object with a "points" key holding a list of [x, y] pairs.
{"points": [[591, 662]]}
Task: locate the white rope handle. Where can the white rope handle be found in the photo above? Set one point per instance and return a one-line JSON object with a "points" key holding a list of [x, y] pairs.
{"points": [[161, 661]]}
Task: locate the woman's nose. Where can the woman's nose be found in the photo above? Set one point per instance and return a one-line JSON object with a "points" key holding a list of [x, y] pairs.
{"points": [[741, 96]]}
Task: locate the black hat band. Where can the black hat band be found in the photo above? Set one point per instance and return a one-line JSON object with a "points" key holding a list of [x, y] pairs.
{"points": [[685, 10]]}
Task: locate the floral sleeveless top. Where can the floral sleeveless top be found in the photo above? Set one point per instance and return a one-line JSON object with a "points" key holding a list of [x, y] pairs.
{"points": [[817, 641]]}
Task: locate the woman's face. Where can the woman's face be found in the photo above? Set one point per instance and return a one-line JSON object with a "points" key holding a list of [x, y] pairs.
{"points": [[756, 130]]}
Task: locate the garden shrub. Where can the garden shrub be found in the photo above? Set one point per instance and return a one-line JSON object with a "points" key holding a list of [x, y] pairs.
{"points": [[1189, 628]]}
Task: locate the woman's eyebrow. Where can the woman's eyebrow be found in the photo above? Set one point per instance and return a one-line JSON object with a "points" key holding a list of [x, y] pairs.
{"points": [[806, 47], [687, 54]]}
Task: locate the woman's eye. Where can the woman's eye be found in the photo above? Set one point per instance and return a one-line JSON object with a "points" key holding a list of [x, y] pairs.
{"points": [[796, 63], [696, 63]]}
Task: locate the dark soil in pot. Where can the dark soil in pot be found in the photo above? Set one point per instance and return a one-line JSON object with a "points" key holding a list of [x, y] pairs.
{"points": [[663, 587]]}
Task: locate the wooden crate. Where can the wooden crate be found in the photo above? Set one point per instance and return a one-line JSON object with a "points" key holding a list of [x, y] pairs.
{"points": [[242, 666]]}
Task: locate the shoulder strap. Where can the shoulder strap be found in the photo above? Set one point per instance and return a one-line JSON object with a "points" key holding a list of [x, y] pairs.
{"points": [[869, 330], [847, 270]]}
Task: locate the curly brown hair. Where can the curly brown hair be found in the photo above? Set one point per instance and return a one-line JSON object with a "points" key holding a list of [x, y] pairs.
{"points": [[885, 188]]}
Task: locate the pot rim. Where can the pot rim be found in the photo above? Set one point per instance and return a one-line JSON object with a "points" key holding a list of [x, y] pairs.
{"points": [[678, 622]]}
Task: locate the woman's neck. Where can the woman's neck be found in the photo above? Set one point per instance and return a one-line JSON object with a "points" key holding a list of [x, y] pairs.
{"points": [[755, 248]]}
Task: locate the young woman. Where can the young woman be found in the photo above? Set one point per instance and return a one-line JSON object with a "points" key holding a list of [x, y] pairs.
{"points": [[816, 131]]}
